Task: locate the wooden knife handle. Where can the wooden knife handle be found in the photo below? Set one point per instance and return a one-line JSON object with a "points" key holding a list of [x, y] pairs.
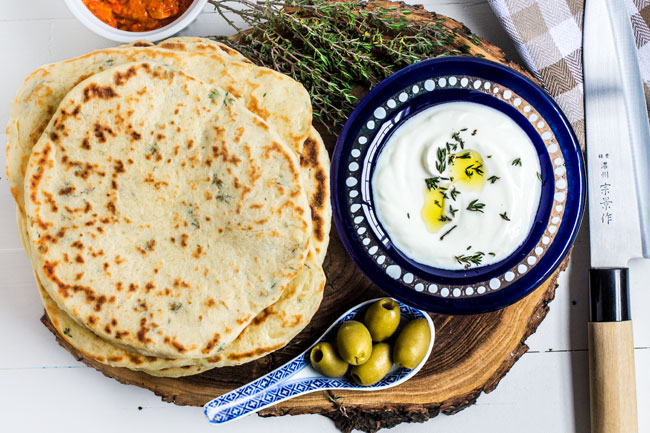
{"points": [[611, 378]]}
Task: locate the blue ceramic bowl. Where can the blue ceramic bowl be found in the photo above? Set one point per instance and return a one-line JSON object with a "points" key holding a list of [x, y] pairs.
{"points": [[394, 101]]}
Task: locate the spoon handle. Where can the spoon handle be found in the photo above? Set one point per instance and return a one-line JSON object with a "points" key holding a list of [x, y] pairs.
{"points": [[280, 384]]}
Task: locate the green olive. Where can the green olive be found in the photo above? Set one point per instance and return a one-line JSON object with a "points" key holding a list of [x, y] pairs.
{"points": [[354, 342], [412, 343], [373, 370], [382, 319], [326, 361]]}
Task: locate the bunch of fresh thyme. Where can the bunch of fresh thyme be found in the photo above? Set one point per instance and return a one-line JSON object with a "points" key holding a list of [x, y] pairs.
{"points": [[338, 49]]}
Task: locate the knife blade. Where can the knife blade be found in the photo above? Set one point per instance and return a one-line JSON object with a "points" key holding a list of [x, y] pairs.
{"points": [[618, 161]]}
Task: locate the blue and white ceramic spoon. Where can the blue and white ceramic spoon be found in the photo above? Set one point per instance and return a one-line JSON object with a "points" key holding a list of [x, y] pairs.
{"points": [[297, 377]]}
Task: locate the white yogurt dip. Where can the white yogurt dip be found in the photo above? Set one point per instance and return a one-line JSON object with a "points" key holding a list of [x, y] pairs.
{"points": [[457, 186]]}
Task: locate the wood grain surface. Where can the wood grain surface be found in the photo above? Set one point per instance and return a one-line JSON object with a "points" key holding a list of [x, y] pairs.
{"points": [[470, 356]]}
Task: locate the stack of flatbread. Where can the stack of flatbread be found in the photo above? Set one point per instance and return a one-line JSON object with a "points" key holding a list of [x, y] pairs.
{"points": [[174, 202]]}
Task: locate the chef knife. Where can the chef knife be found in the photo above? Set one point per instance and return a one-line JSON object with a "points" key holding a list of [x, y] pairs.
{"points": [[618, 162]]}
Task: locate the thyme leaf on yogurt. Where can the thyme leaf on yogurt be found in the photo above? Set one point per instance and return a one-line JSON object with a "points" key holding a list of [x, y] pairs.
{"points": [[452, 211], [444, 218], [471, 169], [474, 259], [454, 193], [447, 232], [432, 182], [441, 164], [539, 176], [475, 206], [456, 136], [517, 162], [505, 216], [493, 179]]}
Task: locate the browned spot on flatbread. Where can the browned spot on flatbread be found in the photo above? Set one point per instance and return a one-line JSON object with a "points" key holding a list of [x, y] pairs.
{"points": [[142, 332], [120, 78], [254, 353], [211, 344], [67, 190], [92, 90], [134, 358], [227, 50], [309, 155], [173, 46]]}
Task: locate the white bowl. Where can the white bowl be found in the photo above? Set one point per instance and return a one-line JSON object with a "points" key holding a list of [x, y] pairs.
{"points": [[83, 14]]}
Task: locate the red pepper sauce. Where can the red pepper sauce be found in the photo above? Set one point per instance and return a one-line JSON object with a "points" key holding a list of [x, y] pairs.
{"points": [[137, 15]]}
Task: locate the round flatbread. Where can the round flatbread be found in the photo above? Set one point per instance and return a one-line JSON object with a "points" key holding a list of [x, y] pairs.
{"points": [[269, 331], [273, 96], [272, 329], [188, 169]]}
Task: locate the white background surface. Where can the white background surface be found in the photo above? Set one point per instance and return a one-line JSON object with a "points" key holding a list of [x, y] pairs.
{"points": [[42, 387]]}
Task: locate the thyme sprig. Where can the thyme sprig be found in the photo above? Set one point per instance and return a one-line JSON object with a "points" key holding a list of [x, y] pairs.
{"points": [[433, 182], [338, 49], [475, 206], [474, 259]]}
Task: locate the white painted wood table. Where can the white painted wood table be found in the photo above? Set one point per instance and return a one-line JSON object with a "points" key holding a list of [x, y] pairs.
{"points": [[42, 387]]}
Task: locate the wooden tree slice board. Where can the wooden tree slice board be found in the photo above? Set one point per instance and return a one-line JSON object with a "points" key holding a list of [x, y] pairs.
{"points": [[470, 356]]}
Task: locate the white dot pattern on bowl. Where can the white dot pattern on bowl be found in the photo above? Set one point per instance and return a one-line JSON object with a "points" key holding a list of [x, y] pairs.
{"points": [[376, 249], [394, 271]]}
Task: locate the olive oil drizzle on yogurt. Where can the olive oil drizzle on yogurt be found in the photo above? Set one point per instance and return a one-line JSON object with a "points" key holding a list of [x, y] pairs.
{"points": [[472, 182]]}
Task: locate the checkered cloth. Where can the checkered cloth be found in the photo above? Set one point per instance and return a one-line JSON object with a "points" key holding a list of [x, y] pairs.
{"points": [[548, 36]]}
